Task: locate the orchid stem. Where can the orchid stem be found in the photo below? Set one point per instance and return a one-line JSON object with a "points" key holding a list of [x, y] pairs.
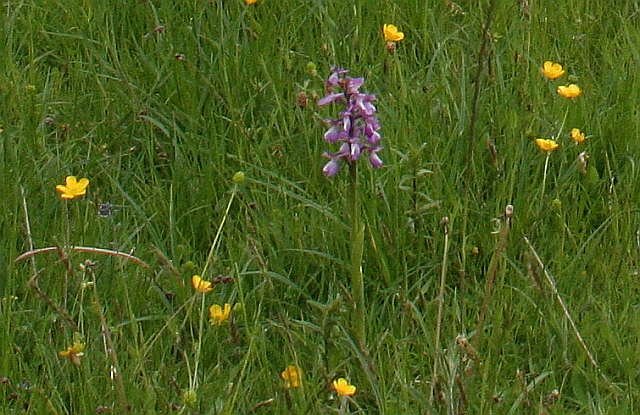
{"points": [[357, 247]]}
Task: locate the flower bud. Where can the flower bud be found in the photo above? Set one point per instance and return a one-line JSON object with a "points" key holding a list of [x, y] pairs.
{"points": [[238, 178]]}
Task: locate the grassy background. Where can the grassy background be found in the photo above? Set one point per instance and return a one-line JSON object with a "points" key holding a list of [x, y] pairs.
{"points": [[159, 103]]}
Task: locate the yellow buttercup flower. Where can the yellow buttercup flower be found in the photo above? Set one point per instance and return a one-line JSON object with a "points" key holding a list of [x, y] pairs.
{"points": [[251, 1], [546, 144], [570, 91], [391, 33], [218, 315], [73, 187], [552, 70], [343, 388], [291, 376], [201, 285], [577, 135], [74, 352]]}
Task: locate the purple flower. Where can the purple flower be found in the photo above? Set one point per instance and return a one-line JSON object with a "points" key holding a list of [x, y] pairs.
{"points": [[374, 159], [331, 168], [335, 77], [357, 126], [331, 98]]}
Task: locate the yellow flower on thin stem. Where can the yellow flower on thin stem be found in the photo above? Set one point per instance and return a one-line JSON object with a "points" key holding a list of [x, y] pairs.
{"points": [[577, 136], [72, 187], [218, 315], [343, 388], [391, 33], [201, 285], [569, 91], [552, 70], [74, 352], [546, 144], [291, 376], [238, 177]]}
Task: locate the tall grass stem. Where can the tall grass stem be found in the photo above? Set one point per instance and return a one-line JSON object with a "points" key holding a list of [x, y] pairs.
{"points": [[567, 315], [216, 239], [493, 268], [443, 276]]}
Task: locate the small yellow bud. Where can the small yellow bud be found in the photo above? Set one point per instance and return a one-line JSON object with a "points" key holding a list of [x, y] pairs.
{"points": [[238, 178]]}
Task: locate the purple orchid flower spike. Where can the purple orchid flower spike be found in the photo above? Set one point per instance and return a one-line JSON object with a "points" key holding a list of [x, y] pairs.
{"points": [[357, 126]]}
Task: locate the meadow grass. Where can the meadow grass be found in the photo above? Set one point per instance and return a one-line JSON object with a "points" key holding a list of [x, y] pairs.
{"points": [[161, 103]]}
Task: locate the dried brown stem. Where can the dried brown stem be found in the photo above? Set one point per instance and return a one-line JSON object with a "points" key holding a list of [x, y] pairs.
{"points": [[475, 110], [33, 283], [31, 253]]}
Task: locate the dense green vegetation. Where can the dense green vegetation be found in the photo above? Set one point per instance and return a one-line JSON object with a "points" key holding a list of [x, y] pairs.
{"points": [[468, 310]]}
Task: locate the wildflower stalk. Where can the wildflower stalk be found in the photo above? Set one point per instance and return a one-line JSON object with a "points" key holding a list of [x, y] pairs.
{"points": [[544, 174], [194, 381], [214, 246], [564, 121], [71, 189], [546, 161], [65, 284], [33, 281], [357, 248], [344, 400]]}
